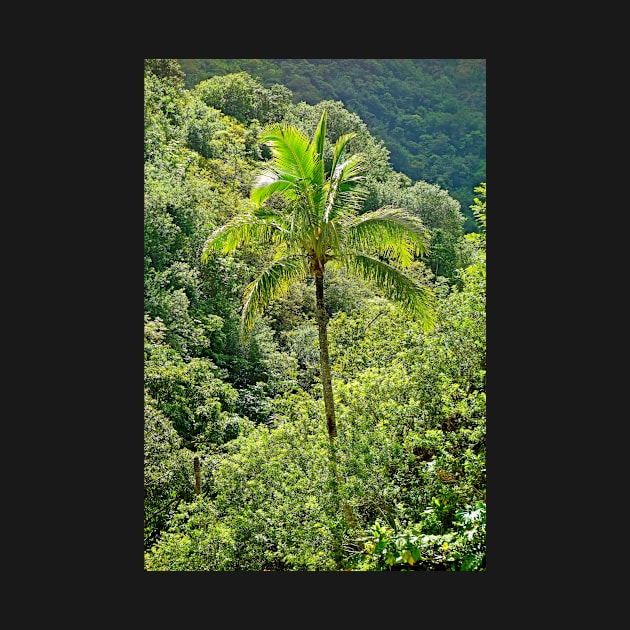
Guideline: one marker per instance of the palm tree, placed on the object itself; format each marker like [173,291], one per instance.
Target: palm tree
[321,225]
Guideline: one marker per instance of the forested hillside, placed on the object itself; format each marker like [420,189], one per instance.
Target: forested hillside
[314,341]
[429,113]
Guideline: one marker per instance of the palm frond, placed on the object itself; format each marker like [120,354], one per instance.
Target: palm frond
[320,137]
[273,282]
[261,225]
[340,145]
[392,232]
[344,191]
[298,164]
[293,156]
[416,299]
[262,192]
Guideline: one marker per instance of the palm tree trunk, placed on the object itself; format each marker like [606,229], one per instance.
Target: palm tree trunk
[324,361]
[335,480]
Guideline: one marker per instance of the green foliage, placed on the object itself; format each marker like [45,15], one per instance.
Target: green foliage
[164,106]
[192,395]
[165,69]
[270,509]
[479,210]
[207,131]
[409,548]
[198,540]
[243,97]
[302,343]
[168,471]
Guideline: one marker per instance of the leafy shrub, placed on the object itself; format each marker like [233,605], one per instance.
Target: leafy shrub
[388,549]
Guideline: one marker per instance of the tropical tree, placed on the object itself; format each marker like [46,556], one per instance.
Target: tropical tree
[318,224]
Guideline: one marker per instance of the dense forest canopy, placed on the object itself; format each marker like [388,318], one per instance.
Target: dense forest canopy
[430,113]
[249,195]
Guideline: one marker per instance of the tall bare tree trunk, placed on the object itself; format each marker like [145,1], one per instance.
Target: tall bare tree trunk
[197,475]
[324,361]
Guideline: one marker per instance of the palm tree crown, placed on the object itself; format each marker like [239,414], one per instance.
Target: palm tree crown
[322,225]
